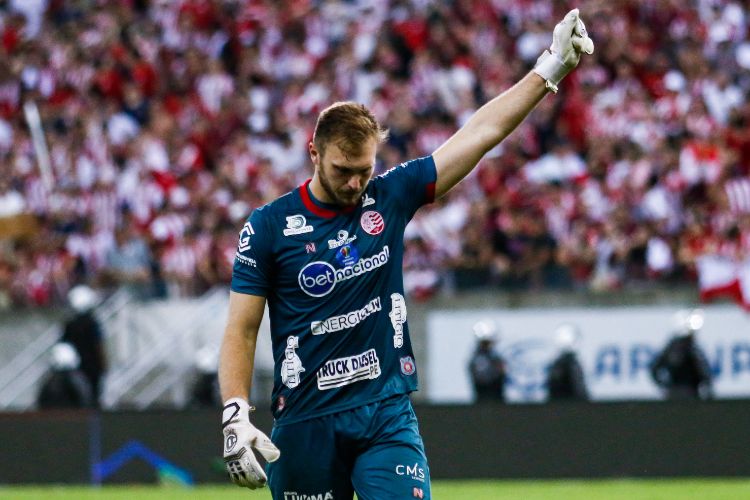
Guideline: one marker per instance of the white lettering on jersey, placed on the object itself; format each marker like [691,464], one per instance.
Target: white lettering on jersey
[414,472]
[398,318]
[342,238]
[246,260]
[344,321]
[293,495]
[296,224]
[291,367]
[344,371]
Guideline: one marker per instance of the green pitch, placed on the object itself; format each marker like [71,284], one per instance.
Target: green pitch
[667,489]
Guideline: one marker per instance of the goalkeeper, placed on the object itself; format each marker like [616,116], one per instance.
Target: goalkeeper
[327,259]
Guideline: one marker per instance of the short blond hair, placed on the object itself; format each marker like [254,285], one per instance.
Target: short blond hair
[348,125]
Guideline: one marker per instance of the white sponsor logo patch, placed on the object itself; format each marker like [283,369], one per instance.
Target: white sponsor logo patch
[367,201]
[342,238]
[398,318]
[248,261]
[344,321]
[291,367]
[296,224]
[318,278]
[293,495]
[344,371]
[247,231]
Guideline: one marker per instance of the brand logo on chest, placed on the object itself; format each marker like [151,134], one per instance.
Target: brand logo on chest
[318,278]
[342,238]
[296,224]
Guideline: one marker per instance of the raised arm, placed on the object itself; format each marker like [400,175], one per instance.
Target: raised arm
[485,129]
[499,117]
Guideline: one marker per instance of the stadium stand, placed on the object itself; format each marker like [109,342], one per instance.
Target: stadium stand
[167,122]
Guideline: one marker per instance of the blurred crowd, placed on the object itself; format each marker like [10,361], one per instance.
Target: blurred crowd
[167,122]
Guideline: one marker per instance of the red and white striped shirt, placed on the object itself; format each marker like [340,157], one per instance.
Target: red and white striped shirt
[738,195]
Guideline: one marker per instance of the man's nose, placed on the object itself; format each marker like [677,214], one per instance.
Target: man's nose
[355,183]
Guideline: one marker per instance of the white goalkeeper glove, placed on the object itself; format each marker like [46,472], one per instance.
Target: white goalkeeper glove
[569,40]
[240,437]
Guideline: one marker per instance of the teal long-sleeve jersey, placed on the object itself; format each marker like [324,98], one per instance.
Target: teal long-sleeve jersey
[333,281]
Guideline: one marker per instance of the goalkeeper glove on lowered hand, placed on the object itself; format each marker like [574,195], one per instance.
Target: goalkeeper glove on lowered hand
[240,437]
[569,41]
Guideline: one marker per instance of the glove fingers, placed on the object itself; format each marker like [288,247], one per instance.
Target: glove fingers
[240,479]
[253,471]
[586,44]
[266,448]
[580,28]
[244,469]
[571,18]
[270,453]
[583,44]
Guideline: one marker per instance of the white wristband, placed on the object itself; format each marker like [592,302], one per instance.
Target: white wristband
[234,409]
[552,69]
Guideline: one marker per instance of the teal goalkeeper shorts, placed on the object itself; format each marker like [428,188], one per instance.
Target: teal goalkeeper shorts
[374,450]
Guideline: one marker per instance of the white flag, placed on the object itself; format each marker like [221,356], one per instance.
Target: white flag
[744,283]
[718,277]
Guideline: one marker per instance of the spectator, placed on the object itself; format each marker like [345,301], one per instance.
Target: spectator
[565,379]
[656,134]
[681,369]
[11,201]
[65,385]
[128,262]
[204,392]
[83,332]
[487,367]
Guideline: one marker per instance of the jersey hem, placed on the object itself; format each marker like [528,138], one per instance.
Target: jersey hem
[381,397]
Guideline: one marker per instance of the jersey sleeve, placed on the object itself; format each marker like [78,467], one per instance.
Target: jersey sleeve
[251,273]
[412,183]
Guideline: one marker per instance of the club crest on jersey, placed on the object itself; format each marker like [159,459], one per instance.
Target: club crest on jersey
[407,365]
[296,224]
[367,201]
[342,238]
[247,231]
[372,222]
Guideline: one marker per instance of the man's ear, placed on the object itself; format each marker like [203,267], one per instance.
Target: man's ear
[314,153]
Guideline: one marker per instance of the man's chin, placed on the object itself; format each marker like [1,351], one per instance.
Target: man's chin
[350,200]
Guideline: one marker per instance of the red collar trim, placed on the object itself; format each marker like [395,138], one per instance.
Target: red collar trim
[316,209]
